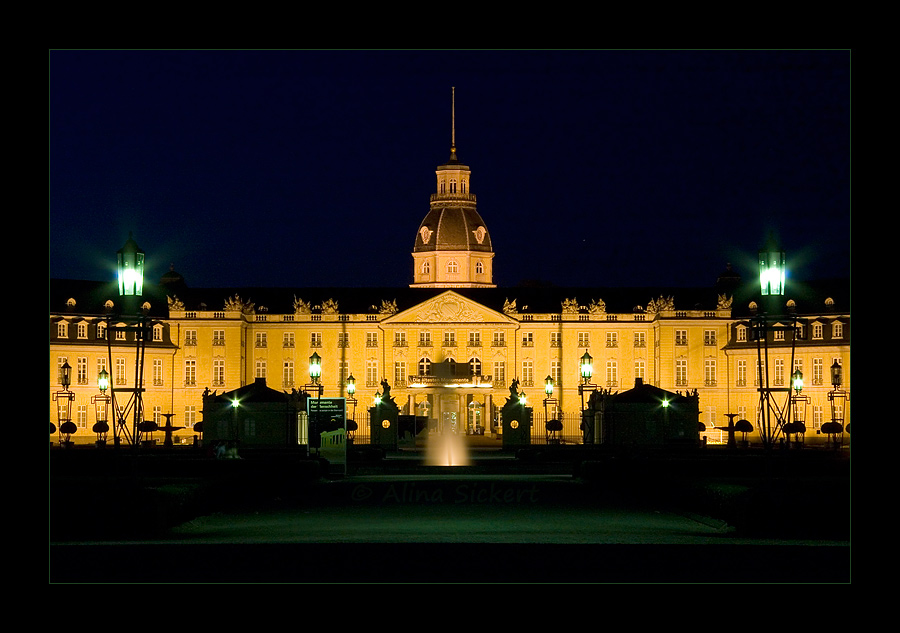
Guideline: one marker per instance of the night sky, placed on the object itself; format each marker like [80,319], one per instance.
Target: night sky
[314,168]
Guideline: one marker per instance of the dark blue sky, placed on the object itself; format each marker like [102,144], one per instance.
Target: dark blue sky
[314,168]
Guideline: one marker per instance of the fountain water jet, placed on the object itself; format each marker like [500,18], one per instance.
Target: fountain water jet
[446,449]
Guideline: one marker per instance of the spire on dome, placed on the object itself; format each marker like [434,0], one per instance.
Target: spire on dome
[453,125]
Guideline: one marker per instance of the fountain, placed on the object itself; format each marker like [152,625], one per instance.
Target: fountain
[446,449]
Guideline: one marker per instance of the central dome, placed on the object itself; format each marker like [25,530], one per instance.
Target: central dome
[452,228]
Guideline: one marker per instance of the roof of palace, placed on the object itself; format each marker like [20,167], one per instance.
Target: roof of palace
[821,297]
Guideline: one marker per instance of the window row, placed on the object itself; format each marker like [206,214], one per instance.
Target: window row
[803,332]
[82,328]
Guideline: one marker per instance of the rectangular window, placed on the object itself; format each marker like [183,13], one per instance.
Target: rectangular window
[343,372]
[500,373]
[157,372]
[680,337]
[425,338]
[742,373]
[288,339]
[709,372]
[499,339]
[527,339]
[449,338]
[527,373]
[709,337]
[287,374]
[741,335]
[81,416]
[81,373]
[399,339]
[190,372]
[260,340]
[371,373]
[343,339]
[556,373]
[190,337]
[400,375]
[639,369]
[779,371]
[584,339]
[315,339]
[681,372]
[474,339]
[190,416]
[612,374]
[219,337]
[120,371]
[82,330]
[555,339]
[219,372]
[612,339]
[818,373]
[640,339]
[260,368]
[371,339]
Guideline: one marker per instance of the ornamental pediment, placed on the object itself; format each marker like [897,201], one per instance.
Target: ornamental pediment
[449,307]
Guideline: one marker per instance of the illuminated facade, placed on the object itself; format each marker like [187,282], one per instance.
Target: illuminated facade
[678,339]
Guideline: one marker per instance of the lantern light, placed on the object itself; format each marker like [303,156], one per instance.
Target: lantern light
[797,380]
[351,385]
[65,377]
[103,380]
[587,368]
[771,269]
[836,374]
[548,386]
[315,367]
[130,268]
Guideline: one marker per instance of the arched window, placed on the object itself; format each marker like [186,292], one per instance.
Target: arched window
[426,268]
[424,367]
[479,268]
[475,366]
[452,266]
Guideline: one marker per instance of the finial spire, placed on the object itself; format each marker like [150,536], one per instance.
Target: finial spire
[453,123]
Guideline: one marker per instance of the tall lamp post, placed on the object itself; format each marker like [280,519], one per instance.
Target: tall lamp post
[101,407]
[552,426]
[63,401]
[837,397]
[772,275]
[351,398]
[315,375]
[130,274]
[586,370]
[798,402]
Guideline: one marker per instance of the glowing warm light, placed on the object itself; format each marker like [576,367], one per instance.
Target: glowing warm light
[103,380]
[665,403]
[446,449]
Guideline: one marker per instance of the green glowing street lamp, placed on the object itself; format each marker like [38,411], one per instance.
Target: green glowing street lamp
[351,385]
[587,368]
[130,269]
[103,381]
[315,367]
[771,269]
[797,381]
[548,386]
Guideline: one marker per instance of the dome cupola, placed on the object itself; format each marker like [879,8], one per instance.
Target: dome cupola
[453,246]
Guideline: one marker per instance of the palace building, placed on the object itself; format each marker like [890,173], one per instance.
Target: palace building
[450,343]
